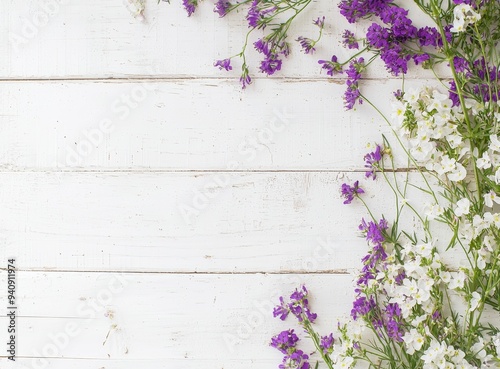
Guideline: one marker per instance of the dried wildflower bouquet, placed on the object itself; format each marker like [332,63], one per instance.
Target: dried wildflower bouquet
[412,309]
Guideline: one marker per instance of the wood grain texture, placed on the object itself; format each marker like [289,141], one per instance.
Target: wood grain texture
[183,222]
[147,320]
[189,125]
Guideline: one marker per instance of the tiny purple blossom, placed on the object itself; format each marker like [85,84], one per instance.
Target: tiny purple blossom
[222,7]
[284,341]
[190,6]
[262,46]
[331,66]
[320,22]
[362,306]
[307,45]
[349,40]
[326,344]
[270,64]
[281,310]
[371,160]
[420,58]
[223,64]
[253,15]
[245,79]
[297,360]
[349,192]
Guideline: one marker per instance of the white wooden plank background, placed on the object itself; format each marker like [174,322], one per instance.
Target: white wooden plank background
[111,125]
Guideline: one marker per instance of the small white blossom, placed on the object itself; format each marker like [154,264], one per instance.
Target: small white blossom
[463,207]
[457,280]
[474,302]
[433,211]
[413,341]
[464,15]
[484,162]
[491,197]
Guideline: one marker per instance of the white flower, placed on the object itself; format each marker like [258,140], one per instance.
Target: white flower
[413,341]
[463,207]
[491,197]
[457,280]
[481,224]
[494,143]
[484,162]
[398,112]
[497,176]
[496,341]
[464,15]
[433,211]
[424,249]
[474,302]
[345,362]
[445,276]
[458,173]
[492,219]
[454,140]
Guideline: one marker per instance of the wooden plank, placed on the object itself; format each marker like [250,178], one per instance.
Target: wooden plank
[188,222]
[101,39]
[188,125]
[106,320]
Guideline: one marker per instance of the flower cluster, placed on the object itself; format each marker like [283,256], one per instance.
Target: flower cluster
[294,358]
[430,122]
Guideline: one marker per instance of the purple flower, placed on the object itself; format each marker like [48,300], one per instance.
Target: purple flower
[190,6]
[452,94]
[400,277]
[281,310]
[362,306]
[299,305]
[320,22]
[253,15]
[420,58]
[223,64]
[349,40]
[222,7]
[245,79]
[401,26]
[297,359]
[374,231]
[256,15]
[270,64]
[350,191]
[307,44]
[285,341]
[436,315]
[372,159]
[398,94]
[395,61]
[461,65]
[378,36]
[354,10]
[262,46]
[429,36]
[393,324]
[352,94]
[326,344]
[332,67]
